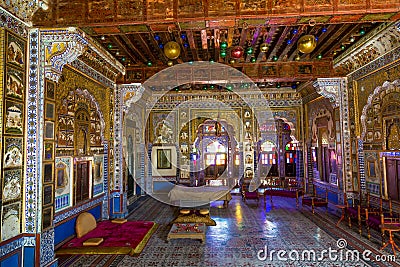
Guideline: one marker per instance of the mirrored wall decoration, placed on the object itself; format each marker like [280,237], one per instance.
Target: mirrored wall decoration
[13,118]
[49,111]
[10,221]
[13,153]
[12,185]
[48,172]
[49,130]
[47,195]
[47,217]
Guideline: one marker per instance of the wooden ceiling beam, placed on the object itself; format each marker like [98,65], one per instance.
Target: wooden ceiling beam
[115,39]
[133,47]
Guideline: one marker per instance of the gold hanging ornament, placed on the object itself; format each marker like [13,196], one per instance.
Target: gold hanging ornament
[306,44]
[172,50]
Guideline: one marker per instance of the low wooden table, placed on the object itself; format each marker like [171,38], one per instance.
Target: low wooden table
[188,230]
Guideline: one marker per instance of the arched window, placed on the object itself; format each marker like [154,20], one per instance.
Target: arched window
[290,159]
[215,159]
[268,158]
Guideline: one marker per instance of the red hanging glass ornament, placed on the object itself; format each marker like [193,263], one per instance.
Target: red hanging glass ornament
[237,52]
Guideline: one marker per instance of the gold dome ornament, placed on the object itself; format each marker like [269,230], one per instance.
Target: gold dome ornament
[172,50]
[264,47]
[306,44]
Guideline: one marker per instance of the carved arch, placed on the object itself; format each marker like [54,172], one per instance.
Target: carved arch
[378,94]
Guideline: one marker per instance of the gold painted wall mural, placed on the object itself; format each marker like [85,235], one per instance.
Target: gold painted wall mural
[12,132]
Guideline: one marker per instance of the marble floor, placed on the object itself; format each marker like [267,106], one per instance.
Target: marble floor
[251,234]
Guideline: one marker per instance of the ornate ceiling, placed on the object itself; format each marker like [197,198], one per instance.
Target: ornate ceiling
[135,32]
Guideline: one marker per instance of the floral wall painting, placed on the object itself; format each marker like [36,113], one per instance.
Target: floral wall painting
[14,118]
[10,222]
[12,185]
[13,153]
[15,51]
[14,83]
[48,151]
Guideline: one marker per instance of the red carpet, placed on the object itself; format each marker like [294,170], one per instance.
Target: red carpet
[127,238]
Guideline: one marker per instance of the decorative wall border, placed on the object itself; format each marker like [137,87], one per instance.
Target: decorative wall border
[13,23]
[76,210]
[382,62]
[389,154]
[105,211]
[26,241]
[84,68]
[377,43]
[47,247]
[361,164]
[35,102]
[74,43]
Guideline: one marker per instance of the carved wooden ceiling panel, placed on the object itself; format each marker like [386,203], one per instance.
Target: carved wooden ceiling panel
[135,32]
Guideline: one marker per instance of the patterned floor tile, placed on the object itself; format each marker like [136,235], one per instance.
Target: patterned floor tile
[243,233]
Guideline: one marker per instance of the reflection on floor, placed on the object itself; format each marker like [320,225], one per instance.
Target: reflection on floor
[242,235]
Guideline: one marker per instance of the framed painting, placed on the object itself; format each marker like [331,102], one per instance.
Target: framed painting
[15,51]
[49,114]
[49,130]
[47,217]
[98,168]
[47,194]
[48,150]
[12,184]
[48,172]
[10,221]
[164,159]
[14,118]
[62,175]
[371,168]
[50,90]
[13,153]
[14,83]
